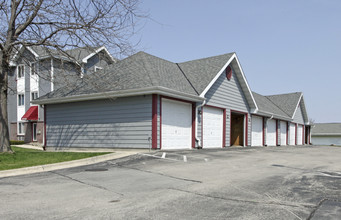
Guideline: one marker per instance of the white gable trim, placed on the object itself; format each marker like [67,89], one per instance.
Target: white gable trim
[85,60]
[298,104]
[233,57]
[303,109]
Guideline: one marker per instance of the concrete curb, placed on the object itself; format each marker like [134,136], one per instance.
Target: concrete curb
[67,164]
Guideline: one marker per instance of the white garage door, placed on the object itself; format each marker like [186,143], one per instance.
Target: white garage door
[299,134]
[176,126]
[283,133]
[257,131]
[212,127]
[292,133]
[271,133]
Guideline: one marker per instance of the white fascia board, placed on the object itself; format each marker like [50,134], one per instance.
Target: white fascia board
[298,104]
[33,52]
[246,83]
[234,56]
[124,93]
[217,76]
[85,60]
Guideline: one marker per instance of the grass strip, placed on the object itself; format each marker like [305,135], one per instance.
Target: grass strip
[23,157]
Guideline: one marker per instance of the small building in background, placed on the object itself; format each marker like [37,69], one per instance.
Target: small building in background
[326,134]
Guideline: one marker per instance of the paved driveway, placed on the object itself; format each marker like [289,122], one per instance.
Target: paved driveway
[240,183]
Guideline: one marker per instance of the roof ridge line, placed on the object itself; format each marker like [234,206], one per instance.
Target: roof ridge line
[277,106]
[187,78]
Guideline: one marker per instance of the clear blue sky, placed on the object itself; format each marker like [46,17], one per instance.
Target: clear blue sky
[283,45]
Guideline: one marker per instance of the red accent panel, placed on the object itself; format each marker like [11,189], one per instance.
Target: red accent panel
[228,72]
[287,133]
[246,143]
[263,131]
[193,125]
[154,121]
[31,114]
[45,138]
[276,132]
[160,121]
[224,128]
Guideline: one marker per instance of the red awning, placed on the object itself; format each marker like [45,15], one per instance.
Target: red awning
[31,114]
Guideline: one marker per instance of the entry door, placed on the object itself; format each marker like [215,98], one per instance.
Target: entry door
[176,126]
[212,127]
[237,129]
[34,131]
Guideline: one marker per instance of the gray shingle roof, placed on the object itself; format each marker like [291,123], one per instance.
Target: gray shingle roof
[265,105]
[76,54]
[140,70]
[326,129]
[286,102]
[202,71]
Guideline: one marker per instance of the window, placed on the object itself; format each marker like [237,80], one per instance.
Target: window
[98,68]
[34,95]
[21,128]
[21,71]
[33,69]
[21,99]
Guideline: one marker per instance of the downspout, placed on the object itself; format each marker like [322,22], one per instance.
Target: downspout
[196,123]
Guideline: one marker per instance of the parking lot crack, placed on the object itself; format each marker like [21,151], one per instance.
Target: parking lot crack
[161,174]
[316,208]
[84,183]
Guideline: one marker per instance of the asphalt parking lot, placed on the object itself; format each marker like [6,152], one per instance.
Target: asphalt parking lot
[237,183]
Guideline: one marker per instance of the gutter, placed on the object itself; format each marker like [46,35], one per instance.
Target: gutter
[123,93]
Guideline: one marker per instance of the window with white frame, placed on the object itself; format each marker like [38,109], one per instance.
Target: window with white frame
[34,95]
[21,71]
[34,68]
[98,68]
[21,99]
[21,128]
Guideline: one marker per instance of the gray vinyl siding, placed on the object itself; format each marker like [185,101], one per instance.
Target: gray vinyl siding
[65,74]
[120,123]
[229,95]
[199,126]
[12,97]
[298,117]
[44,82]
[99,60]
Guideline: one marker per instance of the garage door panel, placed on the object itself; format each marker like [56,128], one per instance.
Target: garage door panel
[283,127]
[292,134]
[271,133]
[176,124]
[257,131]
[212,127]
[299,134]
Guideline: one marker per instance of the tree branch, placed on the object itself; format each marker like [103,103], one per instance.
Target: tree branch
[29,20]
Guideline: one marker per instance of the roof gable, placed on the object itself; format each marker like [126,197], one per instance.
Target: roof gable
[203,73]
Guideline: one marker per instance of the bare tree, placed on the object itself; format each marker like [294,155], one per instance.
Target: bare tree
[60,24]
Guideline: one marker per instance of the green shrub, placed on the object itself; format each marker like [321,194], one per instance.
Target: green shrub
[17,142]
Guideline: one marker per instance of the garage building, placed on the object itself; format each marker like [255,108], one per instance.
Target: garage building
[144,101]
